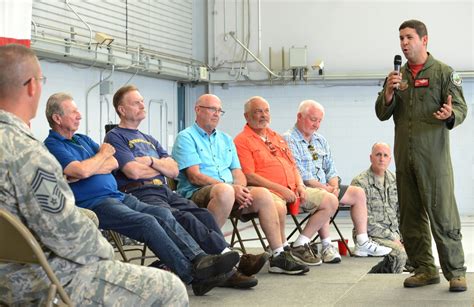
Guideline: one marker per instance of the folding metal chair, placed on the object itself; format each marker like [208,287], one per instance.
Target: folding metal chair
[299,226]
[20,246]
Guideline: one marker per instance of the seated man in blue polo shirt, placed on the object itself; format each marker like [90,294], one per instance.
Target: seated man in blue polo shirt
[88,167]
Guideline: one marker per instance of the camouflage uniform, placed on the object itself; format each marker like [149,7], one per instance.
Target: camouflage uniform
[383,214]
[90,214]
[424,171]
[33,189]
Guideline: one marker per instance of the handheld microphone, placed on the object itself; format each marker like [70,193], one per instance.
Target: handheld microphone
[397,63]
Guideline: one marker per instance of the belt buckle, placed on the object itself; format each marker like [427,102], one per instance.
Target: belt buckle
[157,182]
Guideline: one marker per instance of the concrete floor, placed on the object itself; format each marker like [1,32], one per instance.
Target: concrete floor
[344,284]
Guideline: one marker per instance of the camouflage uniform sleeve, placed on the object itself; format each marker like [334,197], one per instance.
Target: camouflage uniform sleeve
[46,205]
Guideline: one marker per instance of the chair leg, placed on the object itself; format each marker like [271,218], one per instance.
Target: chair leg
[142,261]
[118,243]
[259,234]
[235,222]
[298,226]
[342,239]
[51,296]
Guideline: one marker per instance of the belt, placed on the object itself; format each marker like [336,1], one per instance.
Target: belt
[137,184]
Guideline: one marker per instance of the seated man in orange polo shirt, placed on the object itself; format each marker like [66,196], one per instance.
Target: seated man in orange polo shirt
[266,161]
[211,176]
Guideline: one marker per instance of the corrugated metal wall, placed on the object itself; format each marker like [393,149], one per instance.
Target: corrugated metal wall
[154,29]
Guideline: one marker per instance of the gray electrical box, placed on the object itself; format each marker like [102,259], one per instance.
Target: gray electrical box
[298,57]
[107,87]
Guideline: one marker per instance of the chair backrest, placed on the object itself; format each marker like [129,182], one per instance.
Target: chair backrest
[172,183]
[109,127]
[20,246]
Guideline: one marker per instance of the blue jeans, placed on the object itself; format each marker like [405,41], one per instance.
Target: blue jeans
[154,226]
[198,222]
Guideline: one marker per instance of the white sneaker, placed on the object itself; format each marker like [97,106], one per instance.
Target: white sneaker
[371,248]
[330,254]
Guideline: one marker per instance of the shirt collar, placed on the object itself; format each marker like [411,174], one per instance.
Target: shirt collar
[299,135]
[248,130]
[12,119]
[58,136]
[202,132]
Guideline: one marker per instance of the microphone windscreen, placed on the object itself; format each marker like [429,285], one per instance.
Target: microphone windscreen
[397,60]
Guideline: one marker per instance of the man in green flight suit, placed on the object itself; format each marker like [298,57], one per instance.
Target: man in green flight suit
[426,101]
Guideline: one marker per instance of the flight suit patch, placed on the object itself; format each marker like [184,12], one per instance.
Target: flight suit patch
[425,82]
[456,79]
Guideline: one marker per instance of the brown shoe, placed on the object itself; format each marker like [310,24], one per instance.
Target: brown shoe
[421,279]
[252,264]
[458,284]
[239,280]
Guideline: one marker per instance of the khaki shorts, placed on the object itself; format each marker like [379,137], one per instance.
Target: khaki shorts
[202,196]
[314,197]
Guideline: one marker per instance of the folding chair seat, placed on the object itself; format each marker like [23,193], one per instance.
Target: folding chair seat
[299,226]
[18,245]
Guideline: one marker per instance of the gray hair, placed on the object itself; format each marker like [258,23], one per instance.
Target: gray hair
[306,104]
[17,63]
[53,106]
[249,101]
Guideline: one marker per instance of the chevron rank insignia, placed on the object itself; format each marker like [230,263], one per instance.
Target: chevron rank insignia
[47,192]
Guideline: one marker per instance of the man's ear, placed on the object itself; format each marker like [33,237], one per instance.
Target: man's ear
[31,87]
[56,119]
[424,39]
[121,111]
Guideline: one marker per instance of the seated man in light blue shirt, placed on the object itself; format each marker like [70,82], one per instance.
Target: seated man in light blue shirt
[211,176]
[316,166]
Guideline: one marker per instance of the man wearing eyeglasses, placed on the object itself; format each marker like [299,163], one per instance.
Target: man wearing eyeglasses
[316,165]
[33,190]
[267,162]
[211,176]
[88,168]
[143,165]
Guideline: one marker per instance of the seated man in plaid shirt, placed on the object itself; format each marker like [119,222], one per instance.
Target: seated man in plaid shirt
[314,160]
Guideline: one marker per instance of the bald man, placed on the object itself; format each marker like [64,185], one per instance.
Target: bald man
[380,187]
[211,176]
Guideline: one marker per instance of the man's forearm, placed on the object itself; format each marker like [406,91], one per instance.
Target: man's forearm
[201,180]
[165,166]
[108,166]
[86,168]
[313,183]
